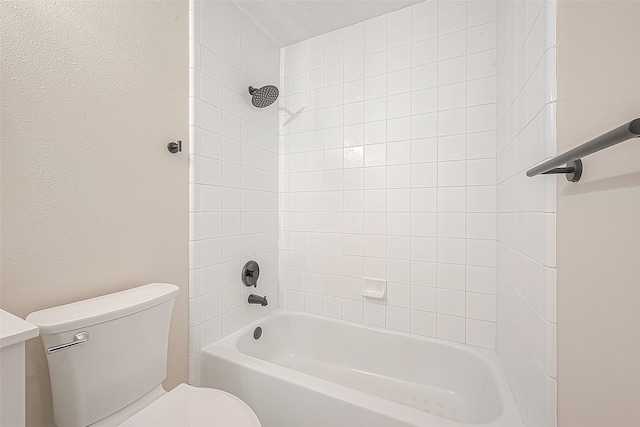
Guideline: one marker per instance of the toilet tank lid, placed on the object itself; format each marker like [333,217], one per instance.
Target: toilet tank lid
[101,309]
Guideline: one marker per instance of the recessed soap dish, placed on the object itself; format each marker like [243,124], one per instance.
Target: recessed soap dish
[374,288]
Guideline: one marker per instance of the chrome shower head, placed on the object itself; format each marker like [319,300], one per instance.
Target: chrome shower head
[264,96]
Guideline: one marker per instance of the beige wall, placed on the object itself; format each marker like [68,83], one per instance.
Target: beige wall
[598,306]
[92,201]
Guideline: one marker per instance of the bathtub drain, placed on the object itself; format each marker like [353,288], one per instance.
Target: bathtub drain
[257,332]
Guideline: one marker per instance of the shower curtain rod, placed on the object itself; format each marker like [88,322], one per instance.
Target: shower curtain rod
[571,158]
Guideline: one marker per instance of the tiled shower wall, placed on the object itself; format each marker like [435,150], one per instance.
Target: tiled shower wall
[387,171]
[233,173]
[526,94]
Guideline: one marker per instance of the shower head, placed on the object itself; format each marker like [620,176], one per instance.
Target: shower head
[264,96]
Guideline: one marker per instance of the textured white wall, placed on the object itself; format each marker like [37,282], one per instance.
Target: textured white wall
[234,173]
[387,161]
[92,201]
[598,217]
[526,259]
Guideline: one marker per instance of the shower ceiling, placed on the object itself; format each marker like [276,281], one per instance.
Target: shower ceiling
[291,21]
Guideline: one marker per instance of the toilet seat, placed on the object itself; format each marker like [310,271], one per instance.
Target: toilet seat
[195,406]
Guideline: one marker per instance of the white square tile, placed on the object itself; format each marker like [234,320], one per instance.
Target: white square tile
[374,314]
[423,249]
[333,74]
[453,19]
[452,96]
[424,101]
[375,132]
[481,306]
[425,199]
[399,200]
[481,118]
[399,176]
[399,58]
[398,294]
[398,153]
[375,109]
[333,53]
[375,64]
[424,126]
[424,27]
[374,223]
[353,69]
[398,35]
[481,333]
[481,64]
[480,13]
[451,251]
[481,252]
[375,200]
[451,45]
[353,30]
[481,38]
[398,106]
[481,172]
[451,276]
[398,247]
[481,279]
[374,24]
[398,224]
[313,303]
[375,87]
[354,91]
[375,41]
[353,48]
[424,77]
[451,302]
[424,150]
[423,298]
[424,52]
[451,328]
[375,155]
[481,225]
[423,323]
[375,177]
[424,175]
[352,310]
[354,114]
[397,318]
[452,122]
[398,82]
[451,225]
[423,224]
[423,274]
[398,129]
[332,307]
[452,174]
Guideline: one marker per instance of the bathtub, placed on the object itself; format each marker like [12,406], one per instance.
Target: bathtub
[312,371]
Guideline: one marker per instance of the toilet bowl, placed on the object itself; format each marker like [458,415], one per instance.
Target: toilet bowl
[195,406]
[107,359]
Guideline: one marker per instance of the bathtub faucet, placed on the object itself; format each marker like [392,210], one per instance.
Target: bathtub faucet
[256,299]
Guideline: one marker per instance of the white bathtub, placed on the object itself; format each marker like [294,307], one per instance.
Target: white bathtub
[310,370]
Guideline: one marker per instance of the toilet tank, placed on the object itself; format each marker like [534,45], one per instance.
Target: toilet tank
[123,358]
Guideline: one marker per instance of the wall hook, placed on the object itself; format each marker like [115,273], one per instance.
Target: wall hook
[174,147]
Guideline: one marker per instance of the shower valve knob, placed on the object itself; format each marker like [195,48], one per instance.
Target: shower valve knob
[250,274]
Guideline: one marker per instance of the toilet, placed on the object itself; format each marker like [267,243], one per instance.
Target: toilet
[107,359]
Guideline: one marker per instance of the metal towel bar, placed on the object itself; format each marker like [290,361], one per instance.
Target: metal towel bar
[571,158]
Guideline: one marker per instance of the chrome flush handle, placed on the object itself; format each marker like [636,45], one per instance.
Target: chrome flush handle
[79,338]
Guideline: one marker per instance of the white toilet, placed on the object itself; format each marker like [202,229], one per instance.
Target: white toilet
[108,357]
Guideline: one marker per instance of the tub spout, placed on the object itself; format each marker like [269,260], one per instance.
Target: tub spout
[256,299]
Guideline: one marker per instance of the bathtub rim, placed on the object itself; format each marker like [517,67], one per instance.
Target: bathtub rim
[227,348]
